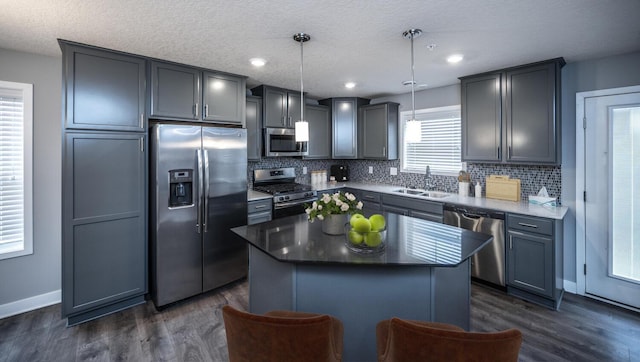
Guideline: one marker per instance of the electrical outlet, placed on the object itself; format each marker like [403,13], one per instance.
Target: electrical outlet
[370,169]
[393,171]
[304,170]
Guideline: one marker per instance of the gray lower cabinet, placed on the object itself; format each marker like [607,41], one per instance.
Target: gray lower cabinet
[259,211]
[344,126]
[513,115]
[180,92]
[370,200]
[378,131]
[319,145]
[534,259]
[104,223]
[423,209]
[103,90]
[254,128]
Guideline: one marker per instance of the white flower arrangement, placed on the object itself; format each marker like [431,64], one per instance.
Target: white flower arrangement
[336,204]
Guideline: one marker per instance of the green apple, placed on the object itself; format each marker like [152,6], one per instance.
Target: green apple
[373,239]
[377,222]
[354,218]
[355,237]
[361,225]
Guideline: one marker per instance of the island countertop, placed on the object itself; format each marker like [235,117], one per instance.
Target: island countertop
[410,241]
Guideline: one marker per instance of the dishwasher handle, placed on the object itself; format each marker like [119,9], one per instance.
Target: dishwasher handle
[473,213]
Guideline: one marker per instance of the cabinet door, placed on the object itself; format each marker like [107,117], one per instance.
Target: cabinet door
[481,118]
[344,128]
[175,91]
[372,128]
[104,241]
[275,107]
[224,98]
[293,109]
[254,128]
[530,262]
[530,114]
[103,90]
[319,145]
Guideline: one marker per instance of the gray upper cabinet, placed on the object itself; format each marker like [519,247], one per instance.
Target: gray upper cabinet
[175,91]
[103,90]
[532,115]
[344,125]
[186,93]
[481,118]
[319,145]
[512,115]
[281,107]
[104,244]
[254,128]
[223,97]
[378,131]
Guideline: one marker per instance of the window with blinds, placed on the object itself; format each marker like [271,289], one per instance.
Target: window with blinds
[439,147]
[16,121]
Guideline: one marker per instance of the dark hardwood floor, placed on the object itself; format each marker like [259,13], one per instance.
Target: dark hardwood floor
[193,330]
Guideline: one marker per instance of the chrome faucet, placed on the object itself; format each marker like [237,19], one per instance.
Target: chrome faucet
[428,179]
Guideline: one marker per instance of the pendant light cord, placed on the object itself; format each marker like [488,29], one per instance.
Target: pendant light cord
[413,84]
[302,81]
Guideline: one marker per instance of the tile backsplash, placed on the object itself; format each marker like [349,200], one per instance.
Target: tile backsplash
[532,178]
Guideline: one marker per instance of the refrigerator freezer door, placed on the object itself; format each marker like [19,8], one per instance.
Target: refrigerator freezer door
[225,255]
[176,244]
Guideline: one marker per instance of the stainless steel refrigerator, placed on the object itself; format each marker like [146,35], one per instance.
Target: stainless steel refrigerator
[199,191]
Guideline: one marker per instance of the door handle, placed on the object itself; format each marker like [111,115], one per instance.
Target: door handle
[206,110]
[200,191]
[528,225]
[205,221]
[196,107]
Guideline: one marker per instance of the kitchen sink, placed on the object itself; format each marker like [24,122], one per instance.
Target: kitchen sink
[410,191]
[424,193]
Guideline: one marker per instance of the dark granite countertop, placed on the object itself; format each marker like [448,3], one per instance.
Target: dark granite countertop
[410,241]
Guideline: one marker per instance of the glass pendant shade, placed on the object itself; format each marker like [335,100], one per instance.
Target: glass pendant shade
[413,131]
[302,131]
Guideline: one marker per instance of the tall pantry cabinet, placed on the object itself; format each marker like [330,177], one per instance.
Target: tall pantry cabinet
[104,178]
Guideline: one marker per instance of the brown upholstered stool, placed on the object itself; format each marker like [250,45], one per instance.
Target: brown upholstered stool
[282,336]
[405,340]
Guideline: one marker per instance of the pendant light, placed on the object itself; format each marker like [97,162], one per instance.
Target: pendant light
[301,126]
[413,127]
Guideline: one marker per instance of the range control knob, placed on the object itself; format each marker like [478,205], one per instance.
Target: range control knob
[286,197]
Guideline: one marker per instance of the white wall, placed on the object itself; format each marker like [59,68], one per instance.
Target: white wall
[38,274]
[610,72]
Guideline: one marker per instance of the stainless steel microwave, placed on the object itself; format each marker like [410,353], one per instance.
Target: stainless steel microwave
[282,142]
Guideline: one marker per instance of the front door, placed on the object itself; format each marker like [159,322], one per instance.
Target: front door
[612,203]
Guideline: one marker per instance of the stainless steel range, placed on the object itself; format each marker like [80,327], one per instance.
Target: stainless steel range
[289,197]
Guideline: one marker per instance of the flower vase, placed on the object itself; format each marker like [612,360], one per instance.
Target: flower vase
[333,224]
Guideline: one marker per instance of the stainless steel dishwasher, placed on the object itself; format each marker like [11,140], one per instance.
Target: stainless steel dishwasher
[488,264]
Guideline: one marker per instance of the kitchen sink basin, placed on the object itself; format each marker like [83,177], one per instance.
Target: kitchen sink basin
[410,191]
[424,193]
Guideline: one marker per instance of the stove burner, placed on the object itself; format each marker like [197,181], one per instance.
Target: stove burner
[281,189]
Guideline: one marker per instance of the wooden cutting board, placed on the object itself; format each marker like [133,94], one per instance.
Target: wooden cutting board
[502,187]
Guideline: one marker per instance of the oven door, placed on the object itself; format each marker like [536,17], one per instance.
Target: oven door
[284,209]
[282,142]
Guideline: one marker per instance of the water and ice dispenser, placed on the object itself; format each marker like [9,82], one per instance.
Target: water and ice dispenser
[180,187]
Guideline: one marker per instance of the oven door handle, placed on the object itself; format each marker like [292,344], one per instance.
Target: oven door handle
[283,205]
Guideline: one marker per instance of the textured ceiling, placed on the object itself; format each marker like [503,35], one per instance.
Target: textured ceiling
[357,40]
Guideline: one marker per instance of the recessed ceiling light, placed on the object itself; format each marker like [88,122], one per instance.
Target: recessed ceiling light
[349,85]
[258,62]
[455,58]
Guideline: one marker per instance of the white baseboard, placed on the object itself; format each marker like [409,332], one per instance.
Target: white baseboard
[31,303]
[570,287]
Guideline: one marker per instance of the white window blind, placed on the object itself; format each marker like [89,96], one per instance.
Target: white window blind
[439,147]
[15,169]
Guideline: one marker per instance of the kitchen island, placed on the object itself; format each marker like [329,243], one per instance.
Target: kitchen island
[423,273]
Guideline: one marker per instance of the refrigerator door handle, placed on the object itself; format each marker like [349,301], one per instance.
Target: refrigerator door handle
[206,190]
[200,190]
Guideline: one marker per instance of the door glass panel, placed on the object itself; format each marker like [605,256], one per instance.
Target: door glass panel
[624,233]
